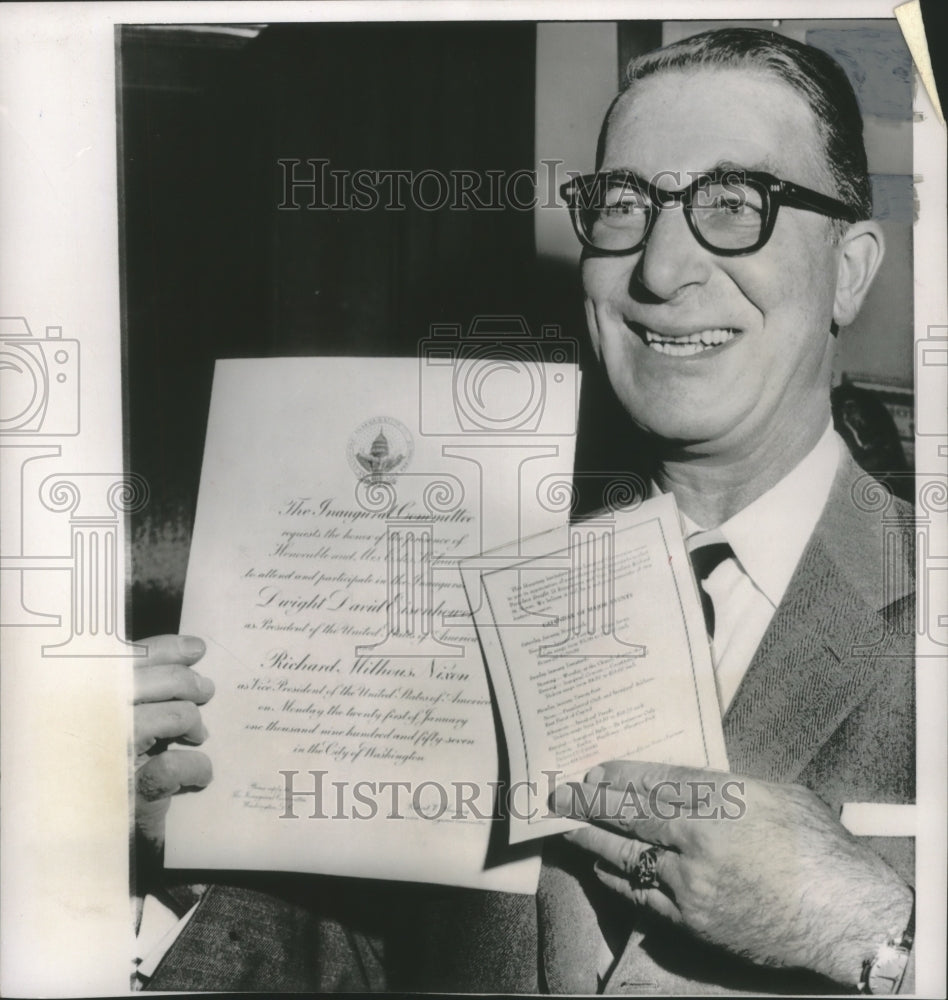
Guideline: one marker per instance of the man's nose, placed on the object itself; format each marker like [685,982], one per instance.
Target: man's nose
[672,258]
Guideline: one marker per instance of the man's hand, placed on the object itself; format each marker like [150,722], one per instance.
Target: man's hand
[764,871]
[167,695]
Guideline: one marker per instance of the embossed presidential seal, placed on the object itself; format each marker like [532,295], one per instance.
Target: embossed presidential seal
[380,448]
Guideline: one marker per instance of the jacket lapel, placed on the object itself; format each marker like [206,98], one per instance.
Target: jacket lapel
[804,679]
[824,649]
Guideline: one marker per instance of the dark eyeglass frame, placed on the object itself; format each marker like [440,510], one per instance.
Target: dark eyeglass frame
[773,191]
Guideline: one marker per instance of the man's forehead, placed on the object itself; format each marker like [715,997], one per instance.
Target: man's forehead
[701,119]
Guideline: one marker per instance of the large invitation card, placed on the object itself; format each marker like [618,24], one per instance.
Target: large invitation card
[352,730]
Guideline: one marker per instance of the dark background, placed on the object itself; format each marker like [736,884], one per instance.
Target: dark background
[214,269]
[935,17]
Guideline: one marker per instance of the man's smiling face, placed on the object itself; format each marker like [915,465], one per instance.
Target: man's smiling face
[720,353]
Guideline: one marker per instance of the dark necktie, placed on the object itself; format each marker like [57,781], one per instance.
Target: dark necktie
[705,559]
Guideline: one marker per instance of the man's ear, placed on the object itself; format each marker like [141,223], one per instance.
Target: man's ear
[861,249]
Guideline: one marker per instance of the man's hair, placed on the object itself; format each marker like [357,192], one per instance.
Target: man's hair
[813,74]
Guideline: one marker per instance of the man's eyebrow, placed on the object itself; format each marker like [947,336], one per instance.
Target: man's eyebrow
[724,166]
[731,166]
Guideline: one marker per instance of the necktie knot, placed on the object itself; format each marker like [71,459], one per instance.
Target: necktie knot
[704,560]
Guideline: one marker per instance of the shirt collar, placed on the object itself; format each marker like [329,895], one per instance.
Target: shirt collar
[769,535]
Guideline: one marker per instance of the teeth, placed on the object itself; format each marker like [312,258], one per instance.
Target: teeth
[692,343]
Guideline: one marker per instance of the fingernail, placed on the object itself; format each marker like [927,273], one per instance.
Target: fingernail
[596,775]
[206,686]
[191,645]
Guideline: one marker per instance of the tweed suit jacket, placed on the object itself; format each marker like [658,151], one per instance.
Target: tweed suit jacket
[827,702]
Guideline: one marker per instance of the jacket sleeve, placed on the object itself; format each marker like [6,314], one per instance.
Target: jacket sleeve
[285,934]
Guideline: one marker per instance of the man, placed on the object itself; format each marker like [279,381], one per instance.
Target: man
[726,239]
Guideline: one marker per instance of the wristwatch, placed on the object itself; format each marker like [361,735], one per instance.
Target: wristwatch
[882,974]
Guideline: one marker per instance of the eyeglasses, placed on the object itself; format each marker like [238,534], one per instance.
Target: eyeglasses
[730,212]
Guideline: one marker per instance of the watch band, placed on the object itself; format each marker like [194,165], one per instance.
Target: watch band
[882,974]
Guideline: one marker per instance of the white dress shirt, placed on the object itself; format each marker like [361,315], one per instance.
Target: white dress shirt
[767,538]
[158,930]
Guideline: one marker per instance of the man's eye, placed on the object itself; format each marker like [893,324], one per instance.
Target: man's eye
[623,205]
[732,206]
[622,209]
[737,204]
